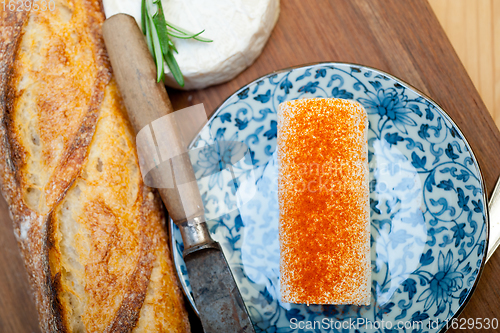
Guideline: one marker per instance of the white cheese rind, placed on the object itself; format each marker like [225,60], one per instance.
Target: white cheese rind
[239,30]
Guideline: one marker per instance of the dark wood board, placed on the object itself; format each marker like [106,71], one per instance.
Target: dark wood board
[401,37]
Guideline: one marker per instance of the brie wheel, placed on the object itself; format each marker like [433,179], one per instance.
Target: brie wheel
[239,30]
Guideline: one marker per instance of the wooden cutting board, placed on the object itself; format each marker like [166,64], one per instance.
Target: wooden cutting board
[401,37]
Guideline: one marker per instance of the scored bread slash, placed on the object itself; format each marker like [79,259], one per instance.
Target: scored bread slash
[324,202]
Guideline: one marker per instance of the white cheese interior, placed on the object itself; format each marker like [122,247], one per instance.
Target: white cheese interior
[239,30]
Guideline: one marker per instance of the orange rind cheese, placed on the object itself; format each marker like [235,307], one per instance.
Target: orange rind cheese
[324,202]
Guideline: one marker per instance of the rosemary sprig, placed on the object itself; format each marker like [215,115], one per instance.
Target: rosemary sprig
[157,32]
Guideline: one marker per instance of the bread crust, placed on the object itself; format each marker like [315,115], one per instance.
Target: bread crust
[69,172]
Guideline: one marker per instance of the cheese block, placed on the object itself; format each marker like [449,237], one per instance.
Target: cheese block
[239,30]
[323,201]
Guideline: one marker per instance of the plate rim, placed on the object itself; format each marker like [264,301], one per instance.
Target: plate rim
[409,86]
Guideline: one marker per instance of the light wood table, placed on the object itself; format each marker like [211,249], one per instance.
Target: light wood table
[473,27]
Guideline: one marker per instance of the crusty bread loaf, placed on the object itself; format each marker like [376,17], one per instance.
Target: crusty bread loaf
[91,233]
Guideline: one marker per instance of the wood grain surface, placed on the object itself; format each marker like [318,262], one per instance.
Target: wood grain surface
[473,27]
[402,37]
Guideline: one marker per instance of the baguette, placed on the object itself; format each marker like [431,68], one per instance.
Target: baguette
[91,233]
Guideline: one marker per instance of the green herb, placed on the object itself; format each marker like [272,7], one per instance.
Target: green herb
[157,31]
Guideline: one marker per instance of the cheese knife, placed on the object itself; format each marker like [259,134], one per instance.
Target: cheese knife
[494,211]
[216,295]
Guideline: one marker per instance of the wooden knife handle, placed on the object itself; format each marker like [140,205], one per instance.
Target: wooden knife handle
[146,101]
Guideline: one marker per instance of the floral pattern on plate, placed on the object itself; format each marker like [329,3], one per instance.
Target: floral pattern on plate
[428,207]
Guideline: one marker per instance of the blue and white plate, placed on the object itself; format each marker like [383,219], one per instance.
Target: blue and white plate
[429,220]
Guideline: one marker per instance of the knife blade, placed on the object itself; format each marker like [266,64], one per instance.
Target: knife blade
[494,212]
[216,294]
